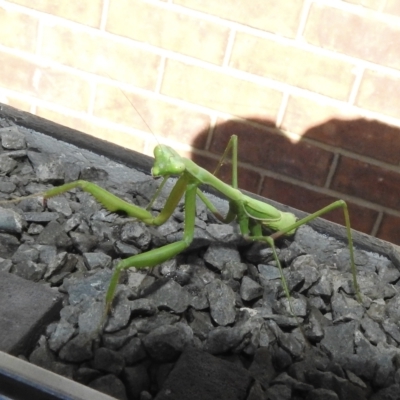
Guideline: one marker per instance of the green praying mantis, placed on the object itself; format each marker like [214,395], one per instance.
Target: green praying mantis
[252,216]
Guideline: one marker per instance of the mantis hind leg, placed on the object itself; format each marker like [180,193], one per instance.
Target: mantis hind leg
[271,242]
[337,204]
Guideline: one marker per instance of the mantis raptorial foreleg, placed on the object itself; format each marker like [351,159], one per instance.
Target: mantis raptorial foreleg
[114,203]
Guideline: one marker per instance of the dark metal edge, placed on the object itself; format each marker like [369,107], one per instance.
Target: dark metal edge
[21,380]
[128,157]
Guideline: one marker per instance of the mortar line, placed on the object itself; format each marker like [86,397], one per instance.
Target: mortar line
[104,15]
[37,71]
[282,109]
[33,108]
[356,84]
[355,156]
[361,11]
[213,124]
[260,184]
[377,224]
[160,76]
[303,20]
[382,6]
[92,97]
[229,48]
[39,38]
[332,170]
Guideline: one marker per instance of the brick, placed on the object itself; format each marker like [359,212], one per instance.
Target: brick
[23,105]
[247,179]
[366,137]
[167,29]
[280,17]
[220,92]
[368,182]
[362,36]
[18,31]
[361,218]
[17,74]
[86,13]
[386,6]
[26,308]
[392,7]
[302,113]
[93,53]
[116,136]
[374,4]
[389,229]
[49,84]
[291,65]
[338,128]
[270,151]
[139,112]
[199,140]
[60,87]
[379,92]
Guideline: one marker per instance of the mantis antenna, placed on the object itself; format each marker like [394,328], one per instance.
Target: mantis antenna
[137,111]
[164,181]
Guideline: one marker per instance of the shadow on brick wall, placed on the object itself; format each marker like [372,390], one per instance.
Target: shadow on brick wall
[308,174]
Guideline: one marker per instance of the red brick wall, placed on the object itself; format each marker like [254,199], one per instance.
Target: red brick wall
[310,87]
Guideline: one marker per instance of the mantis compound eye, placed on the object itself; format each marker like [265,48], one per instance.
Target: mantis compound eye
[174,167]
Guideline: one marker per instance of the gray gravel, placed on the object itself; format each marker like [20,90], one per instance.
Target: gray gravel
[212,323]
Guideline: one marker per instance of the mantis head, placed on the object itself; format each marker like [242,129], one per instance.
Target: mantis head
[167,161]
